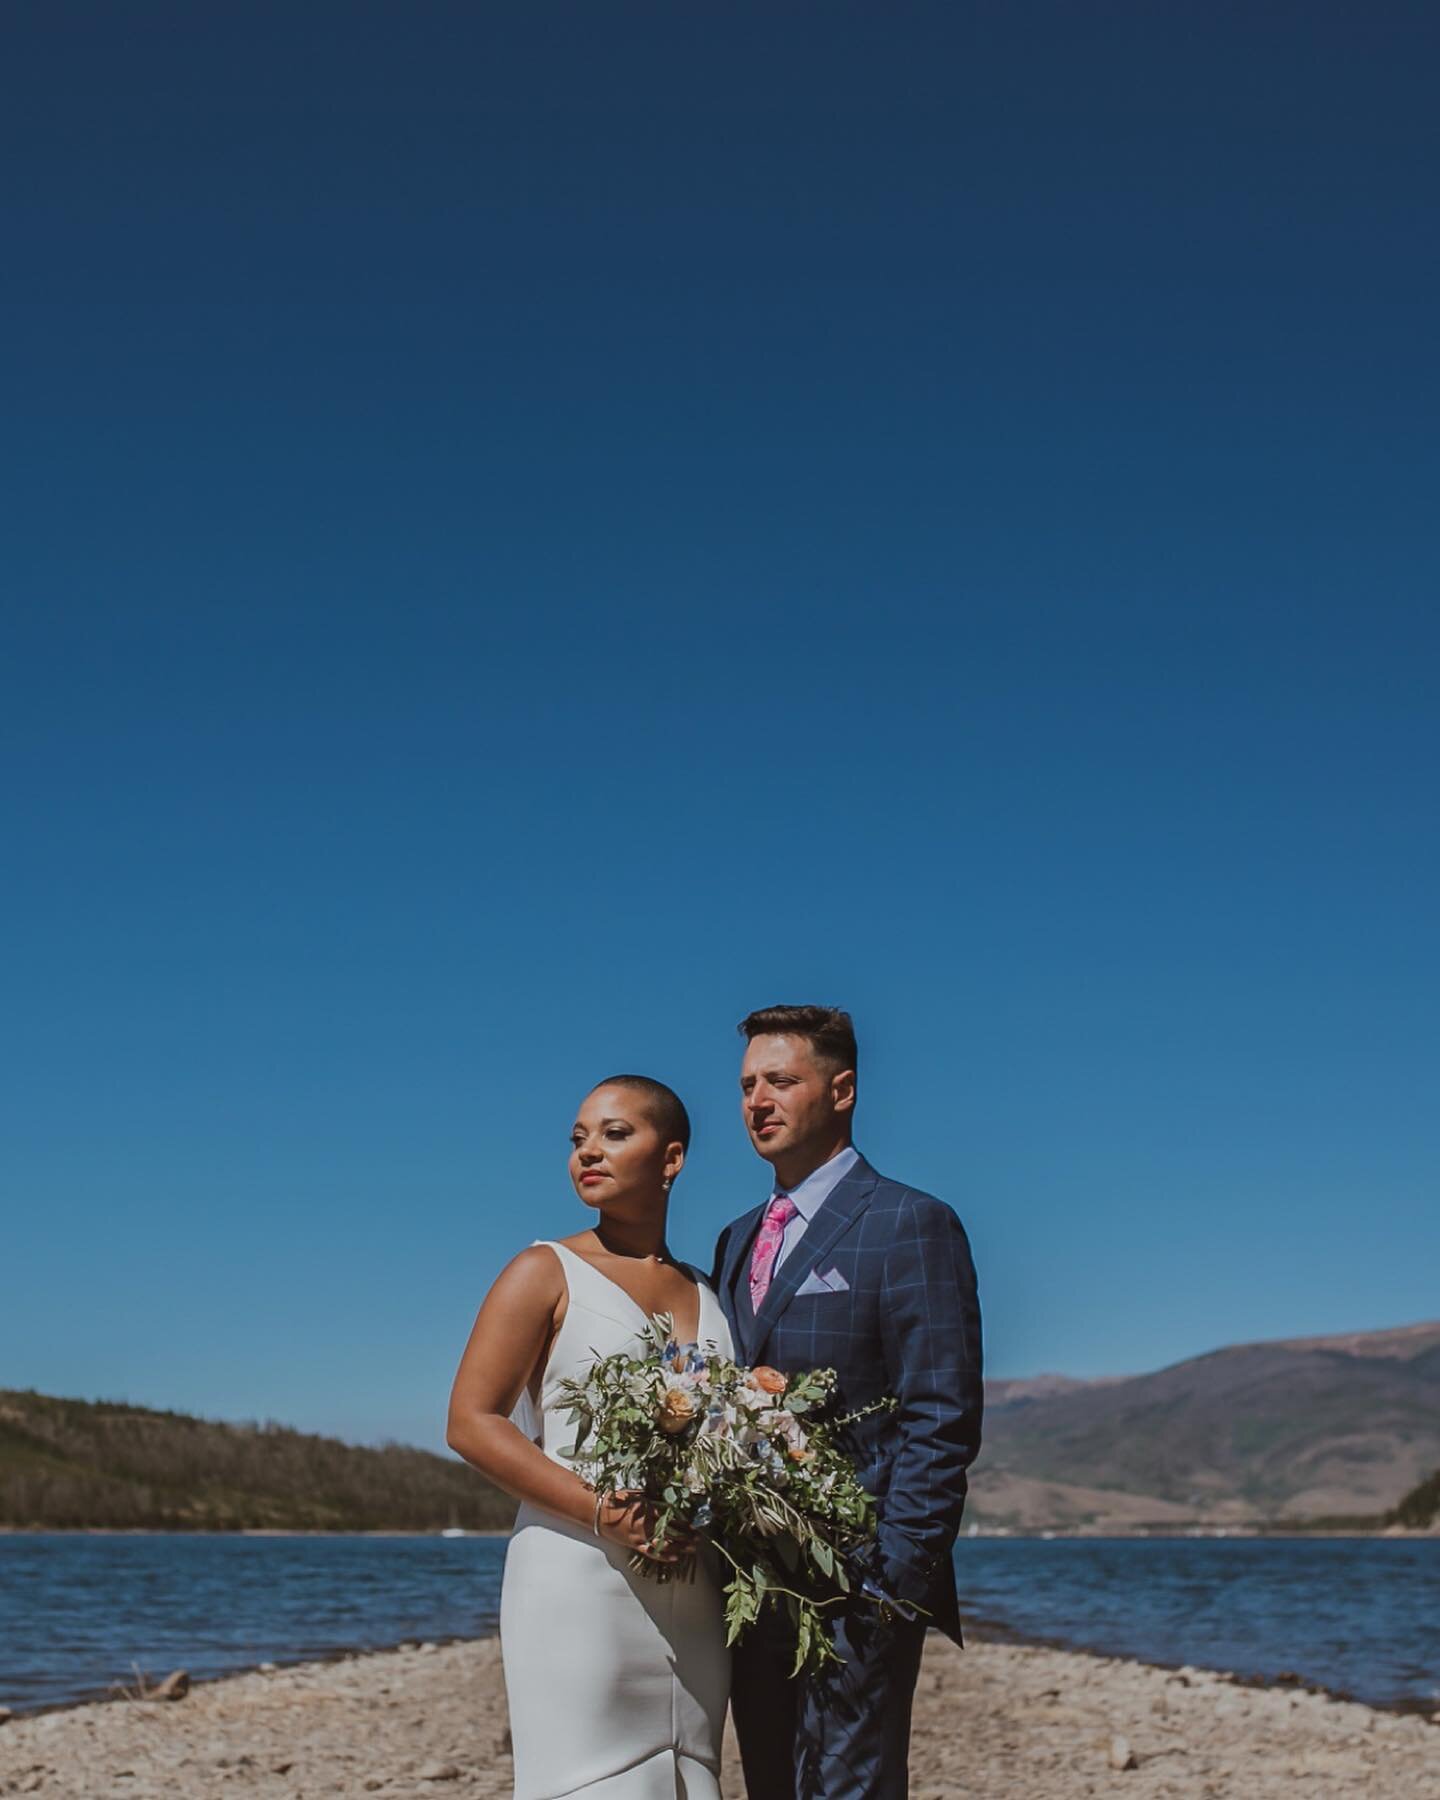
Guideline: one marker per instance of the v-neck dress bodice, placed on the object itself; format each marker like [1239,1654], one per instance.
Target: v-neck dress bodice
[617,1682]
[602,1319]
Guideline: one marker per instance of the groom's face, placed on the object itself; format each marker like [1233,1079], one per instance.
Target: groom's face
[786,1097]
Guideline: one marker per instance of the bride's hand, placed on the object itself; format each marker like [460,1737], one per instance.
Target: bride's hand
[629,1520]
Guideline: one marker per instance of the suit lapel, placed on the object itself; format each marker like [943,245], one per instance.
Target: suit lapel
[737,1260]
[837,1213]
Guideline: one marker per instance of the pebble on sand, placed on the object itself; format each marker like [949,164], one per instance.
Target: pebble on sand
[1121,1755]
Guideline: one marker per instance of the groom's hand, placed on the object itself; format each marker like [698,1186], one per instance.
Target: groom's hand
[629,1520]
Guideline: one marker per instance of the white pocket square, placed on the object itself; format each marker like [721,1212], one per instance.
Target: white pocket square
[831,1282]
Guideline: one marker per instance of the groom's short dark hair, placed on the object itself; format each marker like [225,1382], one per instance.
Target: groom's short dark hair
[829,1032]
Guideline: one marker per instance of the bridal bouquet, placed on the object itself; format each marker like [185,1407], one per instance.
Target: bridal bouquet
[746,1455]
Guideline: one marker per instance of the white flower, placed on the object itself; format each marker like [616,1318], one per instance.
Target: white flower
[785,1425]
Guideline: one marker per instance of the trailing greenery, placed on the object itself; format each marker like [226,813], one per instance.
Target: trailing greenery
[70,1464]
[750,1456]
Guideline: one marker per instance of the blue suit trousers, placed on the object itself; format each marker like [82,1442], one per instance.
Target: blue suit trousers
[840,1735]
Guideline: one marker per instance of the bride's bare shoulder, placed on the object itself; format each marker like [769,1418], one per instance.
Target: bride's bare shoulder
[534,1276]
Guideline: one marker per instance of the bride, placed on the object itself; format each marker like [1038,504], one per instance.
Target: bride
[617,1682]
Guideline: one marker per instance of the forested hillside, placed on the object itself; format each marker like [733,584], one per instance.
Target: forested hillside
[1420,1509]
[1320,1429]
[70,1463]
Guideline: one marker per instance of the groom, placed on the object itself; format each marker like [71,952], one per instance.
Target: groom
[843,1268]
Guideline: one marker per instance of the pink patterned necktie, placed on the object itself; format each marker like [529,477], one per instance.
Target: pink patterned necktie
[778,1214]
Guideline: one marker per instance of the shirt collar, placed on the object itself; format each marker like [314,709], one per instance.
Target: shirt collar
[812,1193]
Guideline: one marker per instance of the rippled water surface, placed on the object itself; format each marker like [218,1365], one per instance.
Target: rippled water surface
[1360,1616]
[77,1612]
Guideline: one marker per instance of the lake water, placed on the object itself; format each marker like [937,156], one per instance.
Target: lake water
[1359,1616]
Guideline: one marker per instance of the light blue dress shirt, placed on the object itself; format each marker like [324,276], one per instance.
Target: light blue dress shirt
[812,1194]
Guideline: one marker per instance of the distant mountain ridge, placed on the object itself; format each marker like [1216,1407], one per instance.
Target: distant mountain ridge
[76,1463]
[1400,1341]
[1296,1428]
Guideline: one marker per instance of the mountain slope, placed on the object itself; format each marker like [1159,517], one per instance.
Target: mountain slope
[1300,1428]
[67,1463]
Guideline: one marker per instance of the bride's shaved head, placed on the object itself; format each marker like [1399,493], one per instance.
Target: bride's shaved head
[665,1107]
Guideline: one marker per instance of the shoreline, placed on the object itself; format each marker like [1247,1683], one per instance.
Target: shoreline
[978,1631]
[991,1721]
[996,1631]
[1090,1640]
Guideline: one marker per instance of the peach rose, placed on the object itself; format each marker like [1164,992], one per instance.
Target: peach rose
[677,1409]
[769,1381]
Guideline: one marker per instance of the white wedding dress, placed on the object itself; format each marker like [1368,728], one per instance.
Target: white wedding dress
[617,1682]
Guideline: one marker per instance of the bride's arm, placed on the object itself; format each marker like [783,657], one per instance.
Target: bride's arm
[512,1332]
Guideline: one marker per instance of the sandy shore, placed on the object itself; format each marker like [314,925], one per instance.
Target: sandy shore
[996,1722]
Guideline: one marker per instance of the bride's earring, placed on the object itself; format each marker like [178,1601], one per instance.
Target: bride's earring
[666,1183]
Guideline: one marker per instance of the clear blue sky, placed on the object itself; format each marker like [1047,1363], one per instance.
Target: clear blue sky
[533,530]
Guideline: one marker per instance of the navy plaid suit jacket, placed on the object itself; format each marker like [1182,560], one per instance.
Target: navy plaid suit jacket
[907,1325]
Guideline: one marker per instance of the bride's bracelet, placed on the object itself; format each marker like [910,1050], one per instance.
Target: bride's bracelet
[600,1499]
